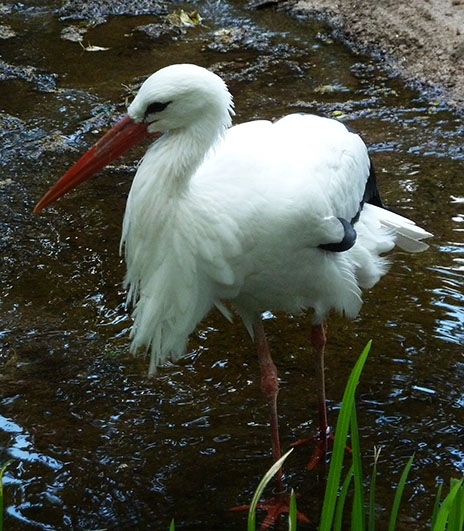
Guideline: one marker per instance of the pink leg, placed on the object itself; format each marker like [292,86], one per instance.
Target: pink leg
[280,502]
[270,388]
[324,436]
[318,341]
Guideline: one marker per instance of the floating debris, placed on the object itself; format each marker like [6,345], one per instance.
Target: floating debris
[331,88]
[182,18]
[339,115]
[91,48]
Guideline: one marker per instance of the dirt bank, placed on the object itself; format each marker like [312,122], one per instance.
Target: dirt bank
[423,41]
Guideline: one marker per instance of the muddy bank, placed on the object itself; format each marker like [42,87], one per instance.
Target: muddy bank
[422,41]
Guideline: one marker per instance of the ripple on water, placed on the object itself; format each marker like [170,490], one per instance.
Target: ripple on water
[97,444]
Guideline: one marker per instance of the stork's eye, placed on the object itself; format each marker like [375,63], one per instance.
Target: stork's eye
[155,107]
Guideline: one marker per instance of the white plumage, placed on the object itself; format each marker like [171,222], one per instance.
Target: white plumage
[237,214]
[269,216]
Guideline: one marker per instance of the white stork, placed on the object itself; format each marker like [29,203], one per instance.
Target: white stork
[268,216]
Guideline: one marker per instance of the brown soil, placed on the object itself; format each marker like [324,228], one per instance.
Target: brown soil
[422,40]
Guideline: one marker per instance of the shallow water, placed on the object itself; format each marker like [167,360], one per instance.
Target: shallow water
[96,443]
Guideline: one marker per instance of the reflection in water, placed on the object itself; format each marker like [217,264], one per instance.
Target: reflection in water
[97,444]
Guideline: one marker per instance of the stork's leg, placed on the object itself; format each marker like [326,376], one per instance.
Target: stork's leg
[280,502]
[270,388]
[324,435]
[318,342]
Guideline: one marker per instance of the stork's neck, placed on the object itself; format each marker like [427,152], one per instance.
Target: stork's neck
[172,160]
[160,185]
[163,179]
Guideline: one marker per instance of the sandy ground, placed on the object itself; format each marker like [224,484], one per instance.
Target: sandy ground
[422,40]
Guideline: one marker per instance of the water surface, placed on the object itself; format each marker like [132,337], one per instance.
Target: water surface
[99,445]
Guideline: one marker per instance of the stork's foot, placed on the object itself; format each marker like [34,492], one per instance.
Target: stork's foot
[322,441]
[275,506]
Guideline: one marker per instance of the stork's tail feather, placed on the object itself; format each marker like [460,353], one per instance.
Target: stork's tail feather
[408,235]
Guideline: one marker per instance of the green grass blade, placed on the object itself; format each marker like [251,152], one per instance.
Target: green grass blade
[341,433]
[358,516]
[399,494]
[172,527]
[371,523]
[292,512]
[337,524]
[459,504]
[453,517]
[446,506]
[436,505]
[262,485]
[2,469]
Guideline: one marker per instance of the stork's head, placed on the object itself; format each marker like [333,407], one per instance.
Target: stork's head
[179,96]
[175,98]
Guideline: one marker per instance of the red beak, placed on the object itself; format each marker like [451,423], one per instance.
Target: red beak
[124,135]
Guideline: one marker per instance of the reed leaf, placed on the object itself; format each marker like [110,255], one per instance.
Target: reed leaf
[358,516]
[2,469]
[399,494]
[459,507]
[338,519]
[341,434]
[262,485]
[292,512]
[371,523]
[459,504]
[446,506]
[436,505]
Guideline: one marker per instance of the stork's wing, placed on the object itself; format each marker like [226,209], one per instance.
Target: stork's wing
[302,173]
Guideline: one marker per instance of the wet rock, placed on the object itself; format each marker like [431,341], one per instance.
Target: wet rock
[245,71]
[57,142]
[173,25]
[14,138]
[103,116]
[98,11]
[43,82]
[5,182]
[155,31]
[6,32]
[235,38]
[54,143]
[73,33]
[364,70]
[9,123]
[263,4]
